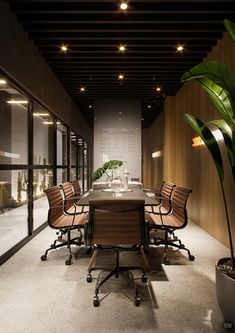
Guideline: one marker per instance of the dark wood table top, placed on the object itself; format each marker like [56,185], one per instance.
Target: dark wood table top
[109,195]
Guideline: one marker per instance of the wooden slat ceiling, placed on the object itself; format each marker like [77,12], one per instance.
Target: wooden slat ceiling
[150,30]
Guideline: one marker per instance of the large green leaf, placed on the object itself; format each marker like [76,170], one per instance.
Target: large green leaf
[97,174]
[218,73]
[227,135]
[112,164]
[230,28]
[203,131]
[220,99]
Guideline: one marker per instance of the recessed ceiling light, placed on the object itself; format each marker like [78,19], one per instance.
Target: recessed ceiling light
[123,5]
[17,102]
[64,48]
[82,89]
[122,48]
[158,89]
[90,106]
[3,81]
[51,122]
[149,106]
[180,48]
[120,76]
[38,114]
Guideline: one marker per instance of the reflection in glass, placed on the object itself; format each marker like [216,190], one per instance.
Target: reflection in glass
[13,207]
[85,180]
[85,154]
[42,179]
[73,149]
[80,177]
[80,152]
[73,174]
[61,175]
[61,133]
[13,126]
[43,136]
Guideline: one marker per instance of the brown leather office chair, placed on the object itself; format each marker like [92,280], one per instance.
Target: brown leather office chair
[119,225]
[76,188]
[163,193]
[170,218]
[71,198]
[63,220]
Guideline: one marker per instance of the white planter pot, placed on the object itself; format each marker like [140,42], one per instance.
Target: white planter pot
[225,290]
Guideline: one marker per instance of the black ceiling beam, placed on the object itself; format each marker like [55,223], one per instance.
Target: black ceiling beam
[87,18]
[113,7]
[151,29]
[132,43]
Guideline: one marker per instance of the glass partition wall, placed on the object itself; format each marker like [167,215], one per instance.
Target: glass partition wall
[79,152]
[35,153]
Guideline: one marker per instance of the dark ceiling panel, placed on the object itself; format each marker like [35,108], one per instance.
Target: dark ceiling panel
[92,30]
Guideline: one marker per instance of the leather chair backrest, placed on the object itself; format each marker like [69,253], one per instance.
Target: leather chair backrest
[113,222]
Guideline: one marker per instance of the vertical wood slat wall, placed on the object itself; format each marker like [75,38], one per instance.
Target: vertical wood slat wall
[193,167]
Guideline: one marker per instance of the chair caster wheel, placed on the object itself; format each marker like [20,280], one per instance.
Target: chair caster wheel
[89,278]
[144,278]
[68,262]
[89,250]
[44,257]
[228,324]
[96,301]
[191,258]
[137,301]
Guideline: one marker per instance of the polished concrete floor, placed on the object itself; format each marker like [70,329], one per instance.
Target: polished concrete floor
[37,297]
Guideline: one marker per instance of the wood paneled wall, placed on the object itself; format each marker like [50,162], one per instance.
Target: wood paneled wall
[193,167]
[153,140]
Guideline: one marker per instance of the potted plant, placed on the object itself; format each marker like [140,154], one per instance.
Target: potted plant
[219,83]
[110,165]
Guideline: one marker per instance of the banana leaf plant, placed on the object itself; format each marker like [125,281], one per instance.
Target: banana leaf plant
[110,165]
[219,82]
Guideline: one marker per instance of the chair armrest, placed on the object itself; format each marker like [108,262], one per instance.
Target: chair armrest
[75,210]
[147,190]
[159,207]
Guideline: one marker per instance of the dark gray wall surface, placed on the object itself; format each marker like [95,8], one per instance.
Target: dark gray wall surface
[20,59]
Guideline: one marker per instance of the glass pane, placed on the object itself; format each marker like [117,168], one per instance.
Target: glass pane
[85,180]
[73,149]
[13,208]
[61,175]
[73,174]
[13,126]
[80,177]
[61,144]
[42,179]
[85,154]
[80,152]
[43,136]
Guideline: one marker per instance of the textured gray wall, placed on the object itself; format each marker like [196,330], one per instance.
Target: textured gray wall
[117,134]
[21,60]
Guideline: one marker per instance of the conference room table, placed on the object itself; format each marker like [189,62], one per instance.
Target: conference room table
[108,194]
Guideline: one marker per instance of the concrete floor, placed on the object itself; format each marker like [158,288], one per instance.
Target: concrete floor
[49,297]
